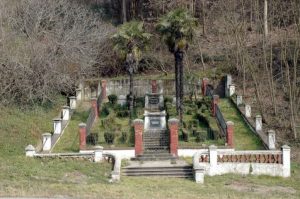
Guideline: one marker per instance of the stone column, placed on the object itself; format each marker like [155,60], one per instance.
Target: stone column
[271,140]
[239,100]
[227,84]
[198,170]
[248,111]
[30,151]
[138,134]
[57,126]
[72,102]
[213,159]
[286,160]
[95,107]
[79,94]
[214,104]
[204,86]
[230,134]
[46,141]
[173,127]
[98,156]
[258,123]
[154,86]
[66,113]
[104,89]
[231,90]
[82,136]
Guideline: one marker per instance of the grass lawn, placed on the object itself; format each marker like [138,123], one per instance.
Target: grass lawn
[244,139]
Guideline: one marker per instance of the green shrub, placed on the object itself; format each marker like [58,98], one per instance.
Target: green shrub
[168,99]
[122,113]
[199,137]
[109,137]
[185,135]
[112,99]
[104,111]
[140,102]
[124,137]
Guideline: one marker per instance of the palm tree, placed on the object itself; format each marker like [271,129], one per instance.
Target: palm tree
[129,41]
[177,29]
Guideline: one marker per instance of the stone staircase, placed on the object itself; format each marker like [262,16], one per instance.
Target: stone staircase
[159,168]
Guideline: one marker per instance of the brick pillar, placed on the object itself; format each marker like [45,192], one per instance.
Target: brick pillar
[173,127]
[214,104]
[230,134]
[95,106]
[82,136]
[154,86]
[138,135]
[204,85]
[103,89]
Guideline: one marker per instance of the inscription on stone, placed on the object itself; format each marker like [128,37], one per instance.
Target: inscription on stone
[154,123]
[153,100]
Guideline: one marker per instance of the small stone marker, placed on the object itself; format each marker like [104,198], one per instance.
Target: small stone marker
[271,140]
[248,111]
[239,100]
[258,123]
[122,100]
[231,90]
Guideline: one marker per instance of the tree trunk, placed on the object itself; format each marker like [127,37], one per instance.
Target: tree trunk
[131,96]
[179,82]
[266,18]
[124,10]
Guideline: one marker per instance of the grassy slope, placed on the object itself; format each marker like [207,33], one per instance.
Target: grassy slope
[243,137]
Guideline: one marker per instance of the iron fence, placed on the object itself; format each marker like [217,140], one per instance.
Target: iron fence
[221,120]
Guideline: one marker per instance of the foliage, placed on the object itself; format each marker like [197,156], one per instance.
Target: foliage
[109,137]
[177,28]
[104,111]
[131,38]
[112,99]
[124,137]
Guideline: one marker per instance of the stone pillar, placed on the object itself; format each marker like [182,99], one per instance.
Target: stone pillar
[57,126]
[30,151]
[204,86]
[98,156]
[72,102]
[213,159]
[248,111]
[231,90]
[227,84]
[95,107]
[173,127]
[46,141]
[214,104]
[66,113]
[258,123]
[138,134]
[286,160]
[104,89]
[82,136]
[79,94]
[154,86]
[271,140]
[198,170]
[230,134]
[239,100]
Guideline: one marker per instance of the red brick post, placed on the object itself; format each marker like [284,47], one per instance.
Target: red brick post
[204,86]
[173,127]
[82,136]
[214,104]
[103,89]
[230,134]
[154,86]
[95,107]
[138,135]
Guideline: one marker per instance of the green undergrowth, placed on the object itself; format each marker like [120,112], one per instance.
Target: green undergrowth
[69,141]
[244,139]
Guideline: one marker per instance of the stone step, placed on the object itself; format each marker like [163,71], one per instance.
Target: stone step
[155,147]
[171,171]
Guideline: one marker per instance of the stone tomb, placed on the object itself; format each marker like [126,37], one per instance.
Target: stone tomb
[155,120]
[154,102]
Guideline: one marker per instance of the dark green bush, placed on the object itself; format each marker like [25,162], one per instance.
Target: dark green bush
[112,99]
[109,137]
[185,135]
[104,111]
[168,99]
[199,136]
[140,102]
[122,113]
[92,138]
[124,137]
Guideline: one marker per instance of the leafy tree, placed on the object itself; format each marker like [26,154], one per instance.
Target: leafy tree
[177,29]
[129,41]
